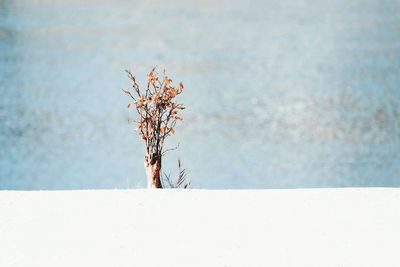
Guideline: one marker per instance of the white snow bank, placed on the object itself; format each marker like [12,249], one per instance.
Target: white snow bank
[304,227]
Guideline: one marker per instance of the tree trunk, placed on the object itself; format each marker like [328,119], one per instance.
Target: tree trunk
[152,165]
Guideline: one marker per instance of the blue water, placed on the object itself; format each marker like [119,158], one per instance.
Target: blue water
[280,94]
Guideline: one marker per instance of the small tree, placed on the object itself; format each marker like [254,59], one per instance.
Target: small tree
[158,115]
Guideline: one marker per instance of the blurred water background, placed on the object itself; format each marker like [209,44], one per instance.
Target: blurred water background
[280,94]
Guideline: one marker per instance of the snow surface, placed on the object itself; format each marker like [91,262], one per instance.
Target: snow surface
[301,227]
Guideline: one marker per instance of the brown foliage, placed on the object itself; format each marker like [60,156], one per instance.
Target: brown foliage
[157,109]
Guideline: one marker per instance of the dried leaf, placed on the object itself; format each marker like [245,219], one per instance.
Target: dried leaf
[168,81]
[178,117]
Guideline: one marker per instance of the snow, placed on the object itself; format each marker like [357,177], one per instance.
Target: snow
[294,227]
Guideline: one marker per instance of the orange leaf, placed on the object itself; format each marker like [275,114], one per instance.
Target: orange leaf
[167,81]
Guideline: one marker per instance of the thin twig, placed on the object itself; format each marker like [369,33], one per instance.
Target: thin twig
[170,149]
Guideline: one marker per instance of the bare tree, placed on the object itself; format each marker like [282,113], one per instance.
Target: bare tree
[158,115]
